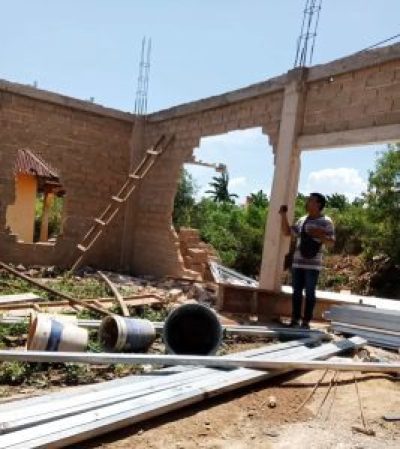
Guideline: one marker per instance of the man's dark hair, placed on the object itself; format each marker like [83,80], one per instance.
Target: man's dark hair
[320,199]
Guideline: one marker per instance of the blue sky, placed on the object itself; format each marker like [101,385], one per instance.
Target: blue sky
[90,48]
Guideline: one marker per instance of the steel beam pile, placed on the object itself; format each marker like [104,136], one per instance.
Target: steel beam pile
[380,327]
[64,418]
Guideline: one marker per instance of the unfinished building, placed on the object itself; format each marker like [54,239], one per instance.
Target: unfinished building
[350,101]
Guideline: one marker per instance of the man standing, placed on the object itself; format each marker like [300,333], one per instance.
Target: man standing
[312,232]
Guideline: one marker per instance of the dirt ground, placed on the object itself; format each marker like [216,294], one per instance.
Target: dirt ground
[244,420]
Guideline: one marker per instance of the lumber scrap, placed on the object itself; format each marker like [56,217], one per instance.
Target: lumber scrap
[116,293]
[191,360]
[19,297]
[70,299]
[76,428]
[133,301]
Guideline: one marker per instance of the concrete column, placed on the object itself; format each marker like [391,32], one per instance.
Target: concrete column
[285,182]
[136,147]
[44,225]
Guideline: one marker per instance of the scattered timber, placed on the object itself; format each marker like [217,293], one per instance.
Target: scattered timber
[48,289]
[116,293]
[19,297]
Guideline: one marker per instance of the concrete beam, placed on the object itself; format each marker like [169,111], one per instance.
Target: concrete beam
[354,62]
[63,100]
[354,137]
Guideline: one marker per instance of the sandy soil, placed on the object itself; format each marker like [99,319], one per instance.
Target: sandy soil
[244,420]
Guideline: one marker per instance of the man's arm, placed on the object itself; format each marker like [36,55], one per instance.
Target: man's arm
[284,221]
[327,237]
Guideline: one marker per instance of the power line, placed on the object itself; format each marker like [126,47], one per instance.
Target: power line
[380,43]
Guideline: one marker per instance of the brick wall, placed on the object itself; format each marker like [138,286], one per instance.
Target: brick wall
[91,147]
[155,243]
[357,99]
[89,150]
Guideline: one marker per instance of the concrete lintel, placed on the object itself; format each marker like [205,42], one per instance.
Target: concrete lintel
[63,100]
[351,63]
[354,62]
[217,101]
[354,137]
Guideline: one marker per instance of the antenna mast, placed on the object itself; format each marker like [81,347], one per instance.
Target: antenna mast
[308,33]
[143,78]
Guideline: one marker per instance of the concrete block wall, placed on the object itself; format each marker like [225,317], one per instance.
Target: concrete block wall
[156,247]
[93,147]
[358,99]
[90,151]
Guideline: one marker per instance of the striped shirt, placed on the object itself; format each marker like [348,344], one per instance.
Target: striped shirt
[323,222]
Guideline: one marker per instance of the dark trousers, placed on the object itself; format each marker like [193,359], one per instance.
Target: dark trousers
[303,279]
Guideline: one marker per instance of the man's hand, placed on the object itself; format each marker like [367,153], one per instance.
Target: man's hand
[317,233]
[283,209]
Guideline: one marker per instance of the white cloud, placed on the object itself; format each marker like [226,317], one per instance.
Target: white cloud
[346,181]
[237,182]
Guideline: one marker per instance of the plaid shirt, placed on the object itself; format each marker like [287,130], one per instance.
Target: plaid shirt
[322,222]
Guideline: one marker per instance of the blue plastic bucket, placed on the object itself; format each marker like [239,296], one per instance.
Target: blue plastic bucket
[117,333]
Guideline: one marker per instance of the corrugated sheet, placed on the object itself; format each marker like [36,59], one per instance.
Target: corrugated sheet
[31,164]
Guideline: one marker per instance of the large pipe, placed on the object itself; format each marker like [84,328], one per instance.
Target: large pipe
[192,329]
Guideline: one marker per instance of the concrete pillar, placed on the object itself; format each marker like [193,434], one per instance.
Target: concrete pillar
[44,225]
[285,181]
[136,147]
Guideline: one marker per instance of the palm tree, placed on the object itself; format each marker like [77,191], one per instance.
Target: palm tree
[259,199]
[220,190]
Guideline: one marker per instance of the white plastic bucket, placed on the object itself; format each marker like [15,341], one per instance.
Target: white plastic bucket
[55,333]
[117,333]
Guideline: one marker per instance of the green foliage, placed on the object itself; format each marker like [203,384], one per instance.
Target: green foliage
[220,189]
[184,200]
[55,216]
[13,373]
[234,231]
[337,201]
[383,206]
[368,225]
[259,199]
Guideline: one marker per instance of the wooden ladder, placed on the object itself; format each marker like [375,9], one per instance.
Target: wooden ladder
[116,202]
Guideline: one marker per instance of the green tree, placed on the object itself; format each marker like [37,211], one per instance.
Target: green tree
[220,192]
[383,206]
[337,201]
[259,199]
[184,200]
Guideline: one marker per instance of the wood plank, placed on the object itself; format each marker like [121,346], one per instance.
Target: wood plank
[54,292]
[19,297]
[116,293]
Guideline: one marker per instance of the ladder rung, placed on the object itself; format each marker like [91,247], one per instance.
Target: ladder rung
[135,176]
[81,247]
[117,199]
[100,222]
[153,153]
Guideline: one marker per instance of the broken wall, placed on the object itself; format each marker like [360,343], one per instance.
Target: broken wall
[87,144]
[93,147]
